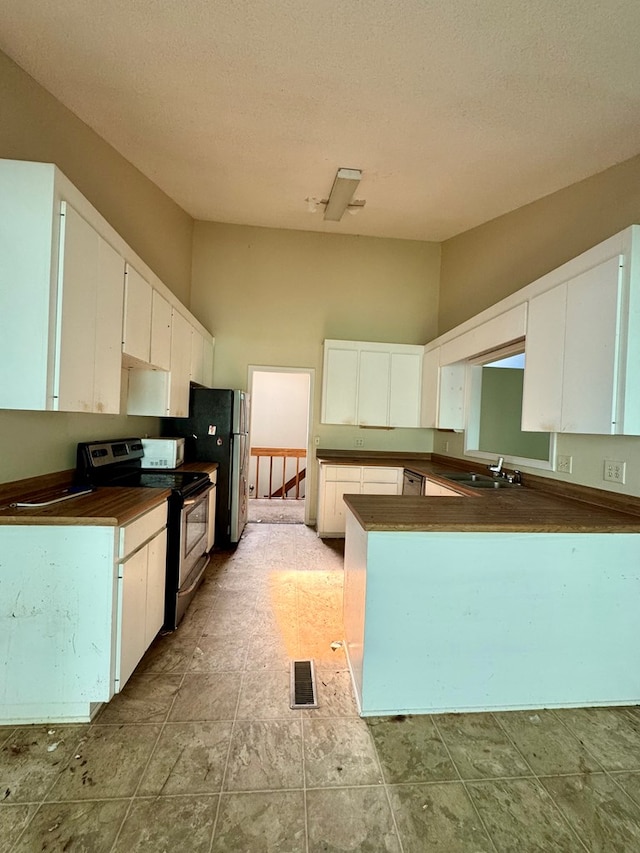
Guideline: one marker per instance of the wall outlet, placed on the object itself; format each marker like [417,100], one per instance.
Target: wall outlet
[446,447]
[614,472]
[358,442]
[564,464]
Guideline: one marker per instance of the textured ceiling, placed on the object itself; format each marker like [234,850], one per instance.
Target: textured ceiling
[456,112]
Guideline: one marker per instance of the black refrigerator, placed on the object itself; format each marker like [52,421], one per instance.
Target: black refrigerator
[217,430]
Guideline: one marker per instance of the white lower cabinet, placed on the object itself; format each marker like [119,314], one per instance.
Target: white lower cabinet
[141,587]
[71,629]
[336,481]
[432,489]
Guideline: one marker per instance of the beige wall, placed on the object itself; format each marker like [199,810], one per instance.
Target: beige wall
[272,297]
[489,262]
[484,265]
[35,126]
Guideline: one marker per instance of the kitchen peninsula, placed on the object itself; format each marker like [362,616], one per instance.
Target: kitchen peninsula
[513,600]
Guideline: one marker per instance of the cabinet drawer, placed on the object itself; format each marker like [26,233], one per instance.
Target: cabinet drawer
[134,534]
[342,473]
[380,475]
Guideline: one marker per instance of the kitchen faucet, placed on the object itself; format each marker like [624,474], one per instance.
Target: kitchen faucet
[497,468]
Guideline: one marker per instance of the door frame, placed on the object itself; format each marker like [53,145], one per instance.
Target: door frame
[311,372]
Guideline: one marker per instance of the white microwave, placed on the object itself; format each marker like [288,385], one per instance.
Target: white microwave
[163,452]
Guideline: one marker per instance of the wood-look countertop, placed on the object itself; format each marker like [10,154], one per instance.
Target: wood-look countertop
[541,505]
[522,511]
[111,506]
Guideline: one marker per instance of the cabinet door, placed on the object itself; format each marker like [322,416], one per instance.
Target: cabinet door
[76,313]
[404,391]
[197,356]
[89,323]
[379,489]
[435,489]
[108,331]
[334,508]
[160,331]
[451,396]
[180,366]
[544,356]
[207,362]
[591,347]
[373,388]
[156,582]
[430,384]
[571,354]
[136,340]
[339,385]
[132,606]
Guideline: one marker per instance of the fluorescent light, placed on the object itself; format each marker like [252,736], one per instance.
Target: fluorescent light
[344,186]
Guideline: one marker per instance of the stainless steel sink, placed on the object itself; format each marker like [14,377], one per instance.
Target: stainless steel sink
[486,484]
[462,476]
[474,481]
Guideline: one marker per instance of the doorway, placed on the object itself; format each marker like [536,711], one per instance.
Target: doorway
[279,444]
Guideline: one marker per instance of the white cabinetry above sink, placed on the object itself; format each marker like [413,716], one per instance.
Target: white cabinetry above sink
[583,349]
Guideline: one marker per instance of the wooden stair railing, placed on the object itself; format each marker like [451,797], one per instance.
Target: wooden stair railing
[284,453]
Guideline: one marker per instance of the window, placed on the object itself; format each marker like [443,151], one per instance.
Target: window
[495,412]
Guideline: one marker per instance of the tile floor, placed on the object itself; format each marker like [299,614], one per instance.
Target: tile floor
[202,753]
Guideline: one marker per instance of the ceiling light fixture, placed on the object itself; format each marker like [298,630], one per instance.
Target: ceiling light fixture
[344,186]
[341,196]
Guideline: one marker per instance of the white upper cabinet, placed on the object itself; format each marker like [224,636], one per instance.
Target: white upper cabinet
[443,392]
[430,384]
[89,319]
[405,382]
[581,368]
[178,405]
[371,384]
[201,358]
[339,383]
[72,313]
[60,297]
[373,387]
[572,348]
[160,347]
[138,294]
[147,324]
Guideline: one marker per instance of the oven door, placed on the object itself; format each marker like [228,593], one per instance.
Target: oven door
[193,539]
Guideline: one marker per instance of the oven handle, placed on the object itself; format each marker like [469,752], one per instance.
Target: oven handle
[200,496]
[197,580]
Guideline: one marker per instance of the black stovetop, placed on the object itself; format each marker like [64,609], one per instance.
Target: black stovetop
[120,462]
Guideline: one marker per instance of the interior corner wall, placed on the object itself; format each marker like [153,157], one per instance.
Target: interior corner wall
[35,126]
[487,263]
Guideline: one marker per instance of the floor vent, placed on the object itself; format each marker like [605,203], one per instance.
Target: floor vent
[303,684]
